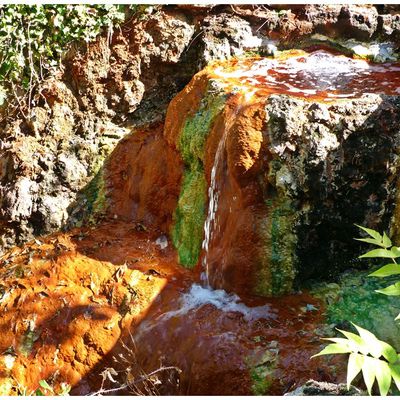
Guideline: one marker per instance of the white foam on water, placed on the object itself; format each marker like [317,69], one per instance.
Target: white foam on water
[199,296]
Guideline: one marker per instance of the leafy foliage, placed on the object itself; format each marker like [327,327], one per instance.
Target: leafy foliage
[377,360]
[34,37]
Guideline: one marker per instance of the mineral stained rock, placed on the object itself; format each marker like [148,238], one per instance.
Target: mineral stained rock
[269,186]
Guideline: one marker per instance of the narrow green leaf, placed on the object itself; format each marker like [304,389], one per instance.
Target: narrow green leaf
[395,250]
[383,376]
[379,253]
[388,352]
[369,240]
[386,270]
[342,341]
[356,343]
[395,370]
[376,235]
[334,348]
[372,342]
[354,366]
[386,240]
[45,385]
[392,290]
[368,371]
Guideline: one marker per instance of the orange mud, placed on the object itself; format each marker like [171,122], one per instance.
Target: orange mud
[67,299]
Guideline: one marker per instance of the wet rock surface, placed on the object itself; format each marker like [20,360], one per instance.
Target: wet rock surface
[271,185]
[110,300]
[348,162]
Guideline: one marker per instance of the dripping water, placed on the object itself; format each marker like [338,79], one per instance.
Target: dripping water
[214,191]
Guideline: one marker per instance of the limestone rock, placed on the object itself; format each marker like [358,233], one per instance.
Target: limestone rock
[225,36]
[314,388]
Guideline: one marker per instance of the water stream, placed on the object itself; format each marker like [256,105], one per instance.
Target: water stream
[319,74]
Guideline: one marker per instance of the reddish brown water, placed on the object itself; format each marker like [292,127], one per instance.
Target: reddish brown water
[225,347]
[320,74]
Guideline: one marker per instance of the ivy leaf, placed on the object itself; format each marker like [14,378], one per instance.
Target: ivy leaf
[392,290]
[380,253]
[354,367]
[387,270]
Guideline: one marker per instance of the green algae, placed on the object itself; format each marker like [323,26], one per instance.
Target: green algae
[93,199]
[260,382]
[187,231]
[283,242]
[95,194]
[262,365]
[276,271]
[353,299]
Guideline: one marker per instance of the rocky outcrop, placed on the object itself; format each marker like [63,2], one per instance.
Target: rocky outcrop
[269,187]
[51,158]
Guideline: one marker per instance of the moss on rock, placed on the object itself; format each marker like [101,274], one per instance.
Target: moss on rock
[276,273]
[262,365]
[277,267]
[353,299]
[187,232]
[92,201]
[189,218]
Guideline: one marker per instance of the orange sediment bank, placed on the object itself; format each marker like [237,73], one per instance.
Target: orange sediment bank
[68,299]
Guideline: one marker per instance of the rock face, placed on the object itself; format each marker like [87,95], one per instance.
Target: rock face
[270,186]
[50,160]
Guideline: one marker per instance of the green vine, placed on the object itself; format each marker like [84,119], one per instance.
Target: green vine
[33,39]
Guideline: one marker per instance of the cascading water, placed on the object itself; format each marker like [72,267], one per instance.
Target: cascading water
[213,197]
[211,222]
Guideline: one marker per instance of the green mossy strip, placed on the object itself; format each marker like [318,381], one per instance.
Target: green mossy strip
[93,199]
[187,232]
[353,299]
[276,272]
[283,242]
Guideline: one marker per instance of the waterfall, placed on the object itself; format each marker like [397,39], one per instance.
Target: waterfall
[213,197]
[213,190]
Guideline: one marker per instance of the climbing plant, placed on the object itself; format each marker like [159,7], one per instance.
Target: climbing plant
[33,39]
[375,359]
